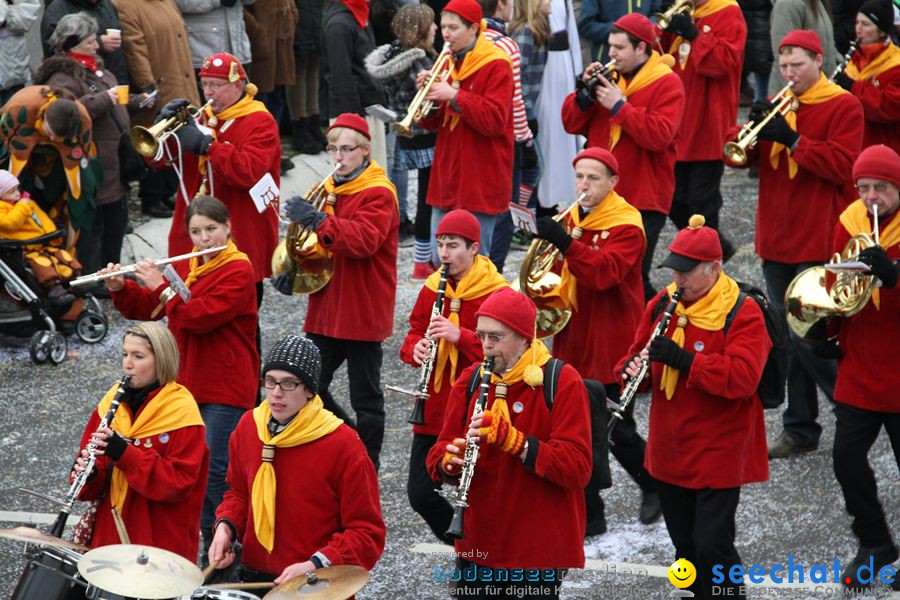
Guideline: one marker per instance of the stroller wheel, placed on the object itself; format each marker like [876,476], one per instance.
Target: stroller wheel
[39,347]
[91,327]
[57,348]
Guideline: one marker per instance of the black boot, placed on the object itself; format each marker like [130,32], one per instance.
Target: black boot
[596,517]
[312,123]
[879,556]
[301,138]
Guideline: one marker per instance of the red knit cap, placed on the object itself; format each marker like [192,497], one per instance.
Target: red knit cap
[693,245]
[469,10]
[223,66]
[639,26]
[513,309]
[878,162]
[803,38]
[462,223]
[601,154]
[352,121]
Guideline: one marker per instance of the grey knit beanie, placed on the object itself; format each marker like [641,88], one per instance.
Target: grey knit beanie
[297,355]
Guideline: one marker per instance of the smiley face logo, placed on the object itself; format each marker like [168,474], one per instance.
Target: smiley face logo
[682,573]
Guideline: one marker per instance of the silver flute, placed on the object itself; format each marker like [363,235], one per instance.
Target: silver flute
[459,498]
[85,279]
[81,478]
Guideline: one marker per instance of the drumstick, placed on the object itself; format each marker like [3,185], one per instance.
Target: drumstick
[120,526]
[243,586]
[208,570]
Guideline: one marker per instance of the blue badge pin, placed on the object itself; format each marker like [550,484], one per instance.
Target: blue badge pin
[518,407]
[698,346]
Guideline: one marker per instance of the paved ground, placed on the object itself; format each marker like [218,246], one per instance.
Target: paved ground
[799,512]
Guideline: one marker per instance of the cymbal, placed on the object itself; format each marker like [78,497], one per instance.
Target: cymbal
[331,583]
[36,536]
[138,571]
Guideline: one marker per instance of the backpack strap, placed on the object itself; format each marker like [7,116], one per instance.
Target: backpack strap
[734,309]
[473,382]
[554,366]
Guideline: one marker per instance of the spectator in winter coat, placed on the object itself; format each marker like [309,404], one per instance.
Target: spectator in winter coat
[16,18]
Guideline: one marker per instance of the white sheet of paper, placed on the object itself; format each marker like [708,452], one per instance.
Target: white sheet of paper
[381,113]
[264,192]
[522,218]
[176,283]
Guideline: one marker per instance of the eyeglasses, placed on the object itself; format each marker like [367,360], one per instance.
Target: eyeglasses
[340,149]
[207,85]
[864,189]
[493,337]
[288,385]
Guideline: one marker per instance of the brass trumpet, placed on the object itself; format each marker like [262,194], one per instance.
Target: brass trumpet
[681,6]
[146,140]
[736,151]
[312,269]
[419,107]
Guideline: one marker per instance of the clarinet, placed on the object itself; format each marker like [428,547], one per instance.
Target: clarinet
[418,414]
[459,498]
[631,388]
[78,482]
[844,60]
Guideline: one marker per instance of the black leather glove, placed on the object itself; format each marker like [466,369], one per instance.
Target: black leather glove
[192,139]
[171,108]
[529,156]
[759,109]
[827,349]
[682,24]
[881,265]
[844,80]
[664,350]
[284,283]
[533,126]
[778,130]
[299,210]
[228,3]
[554,232]
[115,446]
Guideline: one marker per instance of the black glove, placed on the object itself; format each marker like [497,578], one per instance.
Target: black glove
[192,139]
[844,80]
[554,232]
[623,373]
[171,108]
[664,350]
[682,24]
[228,3]
[529,156]
[759,109]
[115,446]
[827,349]
[533,126]
[881,265]
[666,5]
[284,283]
[778,130]
[299,210]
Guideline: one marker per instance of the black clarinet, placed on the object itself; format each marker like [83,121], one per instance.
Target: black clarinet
[460,499]
[631,388]
[418,414]
[78,482]
[854,45]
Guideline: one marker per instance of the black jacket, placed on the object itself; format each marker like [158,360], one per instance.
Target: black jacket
[308,34]
[348,87]
[758,49]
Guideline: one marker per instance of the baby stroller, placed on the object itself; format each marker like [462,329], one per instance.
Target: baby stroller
[31,314]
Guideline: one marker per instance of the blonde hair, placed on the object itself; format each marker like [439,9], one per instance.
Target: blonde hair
[162,345]
[527,12]
[335,132]
[412,26]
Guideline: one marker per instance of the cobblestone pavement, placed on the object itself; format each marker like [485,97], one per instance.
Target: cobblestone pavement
[799,512]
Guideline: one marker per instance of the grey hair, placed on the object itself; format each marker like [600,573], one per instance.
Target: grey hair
[80,25]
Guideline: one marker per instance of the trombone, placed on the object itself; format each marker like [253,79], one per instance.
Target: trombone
[146,140]
[419,107]
[681,6]
[736,151]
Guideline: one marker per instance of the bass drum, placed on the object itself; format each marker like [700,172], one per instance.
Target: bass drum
[51,574]
[207,593]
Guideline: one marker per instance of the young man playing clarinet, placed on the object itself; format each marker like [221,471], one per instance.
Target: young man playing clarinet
[470,278]
[534,458]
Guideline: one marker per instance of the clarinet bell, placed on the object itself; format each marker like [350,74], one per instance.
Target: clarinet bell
[456,525]
[417,417]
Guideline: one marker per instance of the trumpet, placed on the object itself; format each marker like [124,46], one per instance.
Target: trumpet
[86,279]
[846,59]
[79,480]
[419,107]
[459,498]
[680,6]
[736,151]
[146,140]
[607,71]
[297,254]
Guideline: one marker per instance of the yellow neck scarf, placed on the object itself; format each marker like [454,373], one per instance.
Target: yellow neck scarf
[652,70]
[822,91]
[855,219]
[612,211]
[481,54]
[886,60]
[222,258]
[537,355]
[310,424]
[481,280]
[707,313]
[171,408]
[243,107]
[708,8]
[372,176]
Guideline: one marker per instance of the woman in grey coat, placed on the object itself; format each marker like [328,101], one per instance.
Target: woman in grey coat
[16,18]
[788,15]
[215,26]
